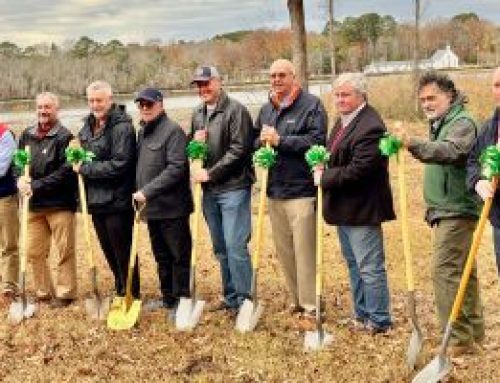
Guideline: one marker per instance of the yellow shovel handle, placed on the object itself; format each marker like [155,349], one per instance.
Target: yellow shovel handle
[476,240]
[319,240]
[403,207]
[24,219]
[86,223]
[132,260]
[260,219]
[196,217]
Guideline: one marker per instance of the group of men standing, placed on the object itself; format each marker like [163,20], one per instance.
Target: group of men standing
[152,168]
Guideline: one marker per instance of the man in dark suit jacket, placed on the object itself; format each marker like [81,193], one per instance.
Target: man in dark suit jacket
[358,199]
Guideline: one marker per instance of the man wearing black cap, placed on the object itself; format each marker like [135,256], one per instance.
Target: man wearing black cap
[226,126]
[162,180]
[108,132]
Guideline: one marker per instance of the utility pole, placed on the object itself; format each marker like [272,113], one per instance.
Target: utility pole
[416,52]
[299,44]
[332,38]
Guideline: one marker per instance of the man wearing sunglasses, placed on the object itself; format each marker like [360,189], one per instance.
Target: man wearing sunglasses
[162,180]
[226,126]
[292,121]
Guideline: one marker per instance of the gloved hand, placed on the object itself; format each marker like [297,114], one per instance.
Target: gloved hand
[484,189]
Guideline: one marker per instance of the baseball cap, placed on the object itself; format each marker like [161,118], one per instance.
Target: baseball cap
[149,94]
[205,73]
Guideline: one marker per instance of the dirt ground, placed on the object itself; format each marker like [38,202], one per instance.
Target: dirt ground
[63,346]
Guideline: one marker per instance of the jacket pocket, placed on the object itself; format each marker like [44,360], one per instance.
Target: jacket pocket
[154,155]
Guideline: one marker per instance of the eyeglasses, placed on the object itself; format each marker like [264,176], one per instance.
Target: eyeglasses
[145,104]
[278,75]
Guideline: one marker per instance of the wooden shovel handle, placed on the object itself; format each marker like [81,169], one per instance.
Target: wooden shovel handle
[319,241]
[24,218]
[86,223]
[403,207]
[476,240]
[197,164]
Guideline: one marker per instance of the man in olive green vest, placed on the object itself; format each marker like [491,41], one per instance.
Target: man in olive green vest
[452,211]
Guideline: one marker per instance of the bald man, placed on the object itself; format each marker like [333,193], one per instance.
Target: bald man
[292,121]
[475,181]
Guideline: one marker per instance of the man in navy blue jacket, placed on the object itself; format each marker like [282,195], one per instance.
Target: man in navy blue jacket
[488,136]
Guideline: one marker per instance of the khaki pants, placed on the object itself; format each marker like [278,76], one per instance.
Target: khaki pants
[294,233]
[58,225]
[452,241]
[9,234]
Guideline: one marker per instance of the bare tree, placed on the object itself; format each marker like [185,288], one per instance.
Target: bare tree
[416,51]
[299,42]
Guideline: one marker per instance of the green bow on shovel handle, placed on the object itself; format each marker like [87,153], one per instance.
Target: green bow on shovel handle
[389,145]
[21,158]
[265,157]
[197,150]
[490,162]
[317,155]
[75,155]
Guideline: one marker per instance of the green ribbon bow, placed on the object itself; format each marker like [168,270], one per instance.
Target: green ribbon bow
[317,155]
[21,158]
[389,145]
[490,162]
[76,155]
[265,157]
[197,150]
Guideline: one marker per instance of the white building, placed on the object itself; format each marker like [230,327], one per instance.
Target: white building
[442,58]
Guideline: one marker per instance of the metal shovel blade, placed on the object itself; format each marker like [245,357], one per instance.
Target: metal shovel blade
[121,318]
[436,370]
[248,316]
[316,340]
[414,348]
[19,310]
[97,308]
[188,313]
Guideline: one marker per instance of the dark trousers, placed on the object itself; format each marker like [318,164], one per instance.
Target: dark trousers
[115,235]
[171,244]
[496,246]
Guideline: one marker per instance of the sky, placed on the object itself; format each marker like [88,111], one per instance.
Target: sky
[27,22]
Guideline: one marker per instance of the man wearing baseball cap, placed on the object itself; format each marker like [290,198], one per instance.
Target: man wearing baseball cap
[227,177]
[162,181]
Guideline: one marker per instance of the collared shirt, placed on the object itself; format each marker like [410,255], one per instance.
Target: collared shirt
[346,119]
[7,148]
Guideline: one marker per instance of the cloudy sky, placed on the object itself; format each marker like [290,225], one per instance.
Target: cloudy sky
[33,21]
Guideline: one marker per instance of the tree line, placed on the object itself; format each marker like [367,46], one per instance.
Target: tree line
[242,56]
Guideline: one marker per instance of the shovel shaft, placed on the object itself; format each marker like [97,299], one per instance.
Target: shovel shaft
[476,240]
[132,260]
[260,229]
[319,242]
[403,207]
[196,233]
[86,223]
[25,203]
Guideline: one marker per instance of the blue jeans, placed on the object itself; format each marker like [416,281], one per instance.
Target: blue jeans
[496,246]
[228,217]
[363,250]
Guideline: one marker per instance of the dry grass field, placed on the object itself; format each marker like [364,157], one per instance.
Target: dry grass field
[62,346]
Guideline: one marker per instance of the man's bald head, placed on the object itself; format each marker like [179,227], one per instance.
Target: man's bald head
[282,75]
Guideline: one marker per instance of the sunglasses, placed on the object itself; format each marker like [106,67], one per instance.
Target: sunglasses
[145,104]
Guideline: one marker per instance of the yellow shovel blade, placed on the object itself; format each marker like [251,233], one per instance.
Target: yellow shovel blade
[119,318]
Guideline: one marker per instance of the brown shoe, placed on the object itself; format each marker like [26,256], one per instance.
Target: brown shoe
[457,350]
[58,303]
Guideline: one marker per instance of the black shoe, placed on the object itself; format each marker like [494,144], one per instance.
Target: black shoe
[58,303]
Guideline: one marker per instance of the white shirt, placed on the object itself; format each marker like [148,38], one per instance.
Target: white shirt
[346,119]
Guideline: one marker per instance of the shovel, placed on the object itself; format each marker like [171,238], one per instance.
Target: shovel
[22,308]
[189,310]
[441,365]
[96,307]
[251,310]
[416,338]
[124,311]
[316,340]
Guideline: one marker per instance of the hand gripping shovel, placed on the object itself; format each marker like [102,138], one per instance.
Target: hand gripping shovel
[441,365]
[124,312]
[251,310]
[189,310]
[316,340]
[416,338]
[95,306]
[22,308]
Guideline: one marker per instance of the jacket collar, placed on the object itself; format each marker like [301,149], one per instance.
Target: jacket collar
[51,133]
[151,126]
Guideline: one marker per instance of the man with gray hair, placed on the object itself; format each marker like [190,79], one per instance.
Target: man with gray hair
[358,199]
[52,186]
[291,122]
[108,132]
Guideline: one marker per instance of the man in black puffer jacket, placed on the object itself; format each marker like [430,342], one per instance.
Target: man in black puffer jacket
[52,185]
[108,132]
[163,184]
